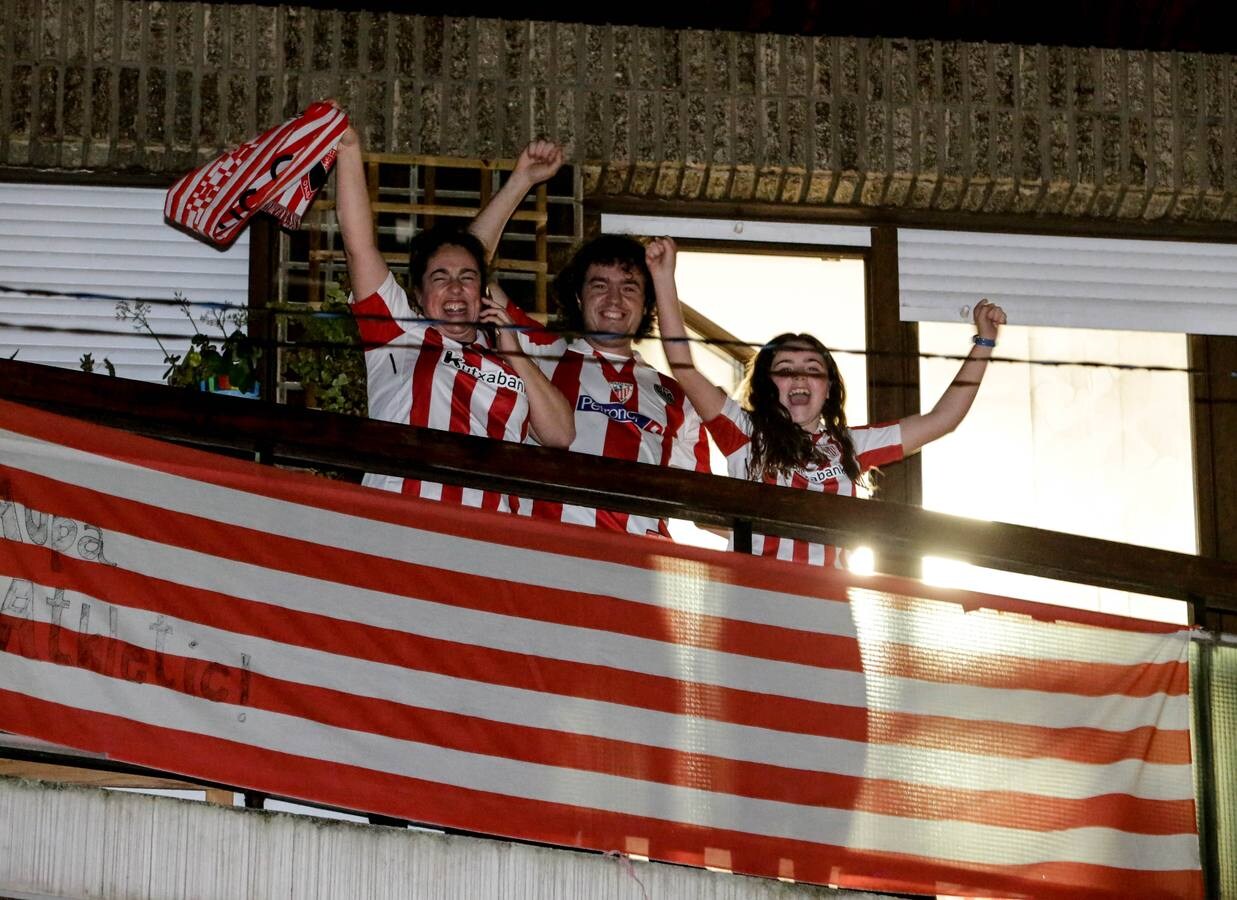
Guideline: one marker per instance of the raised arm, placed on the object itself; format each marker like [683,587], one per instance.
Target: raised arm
[550,415]
[956,402]
[537,163]
[707,397]
[366,268]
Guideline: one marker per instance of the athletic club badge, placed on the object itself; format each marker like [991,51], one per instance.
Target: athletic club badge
[621,391]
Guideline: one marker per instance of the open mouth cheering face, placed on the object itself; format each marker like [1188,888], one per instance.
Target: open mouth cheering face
[802,385]
[451,292]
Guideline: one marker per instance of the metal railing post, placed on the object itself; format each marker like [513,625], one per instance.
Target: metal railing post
[1204,762]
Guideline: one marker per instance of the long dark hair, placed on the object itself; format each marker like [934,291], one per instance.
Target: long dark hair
[778,444]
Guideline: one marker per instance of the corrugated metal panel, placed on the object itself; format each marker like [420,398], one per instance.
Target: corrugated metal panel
[103,240]
[69,842]
[857,236]
[1130,285]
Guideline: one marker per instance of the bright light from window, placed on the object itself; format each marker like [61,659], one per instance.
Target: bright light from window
[756,297]
[861,561]
[1101,452]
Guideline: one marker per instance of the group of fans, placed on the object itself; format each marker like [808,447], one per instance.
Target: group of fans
[448,358]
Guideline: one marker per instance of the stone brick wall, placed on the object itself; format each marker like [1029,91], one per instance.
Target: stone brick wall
[833,122]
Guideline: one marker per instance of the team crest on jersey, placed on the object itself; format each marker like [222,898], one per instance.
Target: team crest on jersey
[665,393]
[621,391]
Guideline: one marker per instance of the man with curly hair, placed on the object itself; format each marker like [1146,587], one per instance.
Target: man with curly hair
[624,408]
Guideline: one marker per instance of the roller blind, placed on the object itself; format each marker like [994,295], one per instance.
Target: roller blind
[103,240]
[739,230]
[1078,282]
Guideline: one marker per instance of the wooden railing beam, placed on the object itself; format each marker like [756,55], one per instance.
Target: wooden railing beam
[325,439]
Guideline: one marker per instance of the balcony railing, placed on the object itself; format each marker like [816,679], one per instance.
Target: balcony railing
[281,435]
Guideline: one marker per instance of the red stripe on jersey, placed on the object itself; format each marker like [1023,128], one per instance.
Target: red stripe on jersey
[375,322]
[730,437]
[875,456]
[622,438]
[423,378]
[611,520]
[531,330]
[674,416]
[880,456]
[703,461]
[500,413]
[566,378]
[462,388]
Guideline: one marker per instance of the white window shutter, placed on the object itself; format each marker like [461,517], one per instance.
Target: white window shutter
[104,240]
[738,230]
[1074,282]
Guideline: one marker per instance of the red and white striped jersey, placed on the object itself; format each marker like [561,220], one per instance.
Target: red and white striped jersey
[421,377]
[875,445]
[624,409]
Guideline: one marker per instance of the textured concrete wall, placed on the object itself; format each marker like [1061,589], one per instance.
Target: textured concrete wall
[827,122]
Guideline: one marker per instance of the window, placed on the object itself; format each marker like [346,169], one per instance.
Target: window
[1080,439]
[109,241]
[756,296]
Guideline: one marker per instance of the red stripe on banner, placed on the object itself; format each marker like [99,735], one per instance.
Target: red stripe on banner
[695,770]
[459,660]
[1088,745]
[499,596]
[1043,823]
[608,614]
[310,490]
[994,670]
[347,786]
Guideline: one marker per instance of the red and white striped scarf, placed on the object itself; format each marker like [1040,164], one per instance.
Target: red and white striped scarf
[277,172]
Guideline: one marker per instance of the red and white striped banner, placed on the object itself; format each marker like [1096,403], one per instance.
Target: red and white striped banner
[306,638]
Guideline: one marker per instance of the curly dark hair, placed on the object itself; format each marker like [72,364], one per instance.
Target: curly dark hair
[778,444]
[619,250]
[428,242]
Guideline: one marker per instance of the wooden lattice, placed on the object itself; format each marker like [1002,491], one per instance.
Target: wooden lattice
[409,194]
